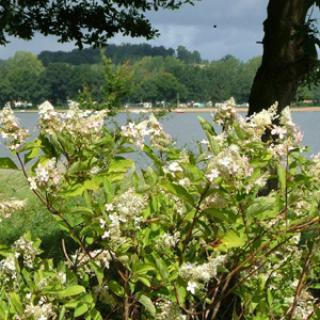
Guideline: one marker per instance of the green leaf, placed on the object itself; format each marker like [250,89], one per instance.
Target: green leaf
[149,152]
[207,127]
[78,189]
[15,302]
[116,288]
[62,313]
[80,310]
[7,163]
[231,240]
[181,292]
[282,176]
[144,281]
[120,166]
[34,148]
[143,269]
[147,303]
[222,215]
[178,191]
[71,291]
[265,207]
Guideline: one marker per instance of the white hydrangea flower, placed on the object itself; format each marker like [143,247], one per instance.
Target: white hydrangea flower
[192,286]
[129,205]
[158,137]
[226,112]
[204,142]
[229,164]
[102,257]
[8,207]
[42,311]
[202,272]
[184,182]
[8,267]
[173,168]
[136,133]
[167,310]
[212,174]
[24,248]
[109,207]
[10,130]
[167,240]
[84,127]
[47,175]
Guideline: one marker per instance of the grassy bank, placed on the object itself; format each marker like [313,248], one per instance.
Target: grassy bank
[33,217]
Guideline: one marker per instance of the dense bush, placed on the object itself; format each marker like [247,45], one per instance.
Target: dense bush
[230,232]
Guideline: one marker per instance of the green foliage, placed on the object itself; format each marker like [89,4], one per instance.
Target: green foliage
[117,82]
[124,74]
[190,236]
[82,22]
[20,78]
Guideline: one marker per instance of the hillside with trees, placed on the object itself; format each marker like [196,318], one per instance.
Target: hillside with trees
[149,74]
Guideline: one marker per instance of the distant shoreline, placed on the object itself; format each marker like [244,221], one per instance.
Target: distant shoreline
[184,110]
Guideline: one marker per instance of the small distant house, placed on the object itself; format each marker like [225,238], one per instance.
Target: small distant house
[46,105]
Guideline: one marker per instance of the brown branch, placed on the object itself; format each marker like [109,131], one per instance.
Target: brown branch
[306,266]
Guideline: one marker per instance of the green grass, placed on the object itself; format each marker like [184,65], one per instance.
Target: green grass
[34,217]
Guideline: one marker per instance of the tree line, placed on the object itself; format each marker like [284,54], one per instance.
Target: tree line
[127,74]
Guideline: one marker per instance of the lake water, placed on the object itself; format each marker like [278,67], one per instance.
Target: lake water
[186,130]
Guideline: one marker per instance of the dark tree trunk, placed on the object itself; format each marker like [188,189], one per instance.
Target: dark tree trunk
[288,55]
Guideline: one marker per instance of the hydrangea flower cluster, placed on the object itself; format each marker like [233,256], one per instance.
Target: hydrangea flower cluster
[167,310]
[82,126]
[203,273]
[229,164]
[125,209]
[226,113]
[43,310]
[101,257]
[10,129]
[9,207]
[25,249]
[8,268]
[137,133]
[48,175]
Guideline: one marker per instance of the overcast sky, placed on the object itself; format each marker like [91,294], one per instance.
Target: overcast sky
[239,27]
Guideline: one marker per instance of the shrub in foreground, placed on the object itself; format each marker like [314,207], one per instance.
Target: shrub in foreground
[229,232]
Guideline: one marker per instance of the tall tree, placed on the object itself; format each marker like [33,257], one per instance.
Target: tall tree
[289,53]
[20,78]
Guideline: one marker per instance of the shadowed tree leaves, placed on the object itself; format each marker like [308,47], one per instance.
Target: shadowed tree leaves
[84,21]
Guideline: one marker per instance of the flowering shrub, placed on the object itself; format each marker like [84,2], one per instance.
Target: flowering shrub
[230,232]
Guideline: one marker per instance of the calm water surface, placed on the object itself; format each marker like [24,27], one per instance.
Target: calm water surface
[186,130]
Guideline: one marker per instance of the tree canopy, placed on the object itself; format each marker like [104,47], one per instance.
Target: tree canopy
[83,21]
